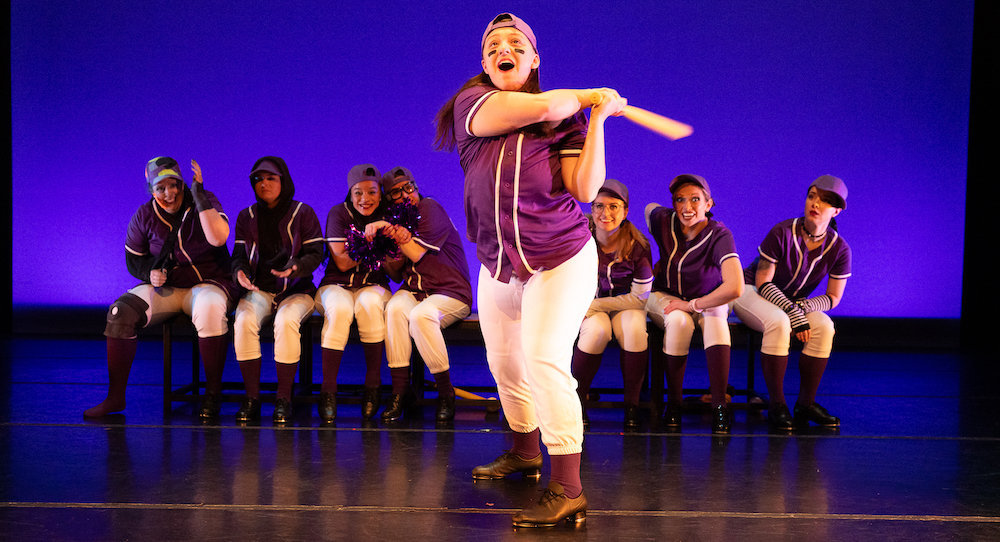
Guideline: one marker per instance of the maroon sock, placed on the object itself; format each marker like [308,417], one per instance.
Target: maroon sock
[675,377]
[373,363]
[774,368]
[121,353]
[213,358]
[400,380]
[286,379]
[331,366]
[718,372]
[584,370]
[633,372]
[444,386]
[810,372]
[527,445]
[566,472]
[251,377]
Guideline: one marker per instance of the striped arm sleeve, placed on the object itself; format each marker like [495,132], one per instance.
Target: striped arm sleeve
[820,303]
[773,294]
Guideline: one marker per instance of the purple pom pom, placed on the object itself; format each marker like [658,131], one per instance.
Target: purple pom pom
[403,214]
[361,250]
[370,255]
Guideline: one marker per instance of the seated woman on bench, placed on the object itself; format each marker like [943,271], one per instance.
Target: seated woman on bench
[436,292]
[279,243]
[351,290]
[624,278]
[795,257]
[176,247]
[698,274]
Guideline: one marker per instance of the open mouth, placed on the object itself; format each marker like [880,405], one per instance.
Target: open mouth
[505,65]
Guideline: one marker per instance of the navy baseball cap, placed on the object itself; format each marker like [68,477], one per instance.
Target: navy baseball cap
[835,185]
[692,179]
[509,20]
[160,168]
[615,189]
[361,173]
[395,176]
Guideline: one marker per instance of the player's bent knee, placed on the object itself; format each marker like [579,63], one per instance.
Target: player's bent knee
[126,316]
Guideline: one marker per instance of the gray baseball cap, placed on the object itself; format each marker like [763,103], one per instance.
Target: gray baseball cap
[505,20]
[615,189]
[395,176]
[361,173]
[693,179]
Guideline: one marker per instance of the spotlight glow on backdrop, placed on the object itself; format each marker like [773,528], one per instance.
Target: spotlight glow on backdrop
[875,92]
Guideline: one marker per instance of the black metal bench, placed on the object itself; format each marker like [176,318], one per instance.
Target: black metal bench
[466,331]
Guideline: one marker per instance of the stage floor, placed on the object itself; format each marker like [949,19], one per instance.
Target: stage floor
[917,458]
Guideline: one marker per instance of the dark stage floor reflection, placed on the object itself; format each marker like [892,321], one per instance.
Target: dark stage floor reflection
[916,459]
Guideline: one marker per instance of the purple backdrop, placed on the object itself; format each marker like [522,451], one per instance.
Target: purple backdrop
[874,92]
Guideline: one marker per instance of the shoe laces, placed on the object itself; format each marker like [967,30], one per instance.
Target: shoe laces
[548,497]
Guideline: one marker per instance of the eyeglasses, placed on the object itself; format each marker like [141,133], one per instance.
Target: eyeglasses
[598,208]
[397,193]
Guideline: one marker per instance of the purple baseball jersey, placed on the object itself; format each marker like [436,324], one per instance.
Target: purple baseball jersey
[338,222]
[616,278]
[443,269]
[517,210]
[301,238]
[689,269]
[195,261]
[797,272]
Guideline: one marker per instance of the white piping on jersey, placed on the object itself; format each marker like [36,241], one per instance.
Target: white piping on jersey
[673,235]
[413,265]
[475,107]
[420,279]
[680,263]
[427,246]
[288,229]
[798,251]
[812,266]
[517,188]
[291,242]
[180,245]
[496,212]
[156,209]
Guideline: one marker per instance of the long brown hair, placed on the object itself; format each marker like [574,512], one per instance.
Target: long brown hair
[628,238]
[444,138]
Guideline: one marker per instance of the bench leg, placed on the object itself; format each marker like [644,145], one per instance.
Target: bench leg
[195,363]
[167,368]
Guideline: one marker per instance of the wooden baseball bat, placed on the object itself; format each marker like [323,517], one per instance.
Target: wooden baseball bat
[494,403]
[666,127]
